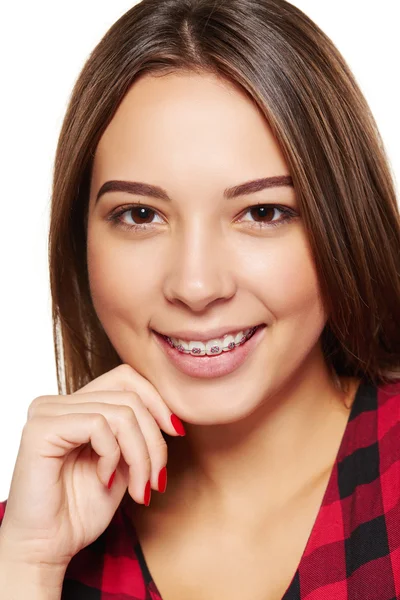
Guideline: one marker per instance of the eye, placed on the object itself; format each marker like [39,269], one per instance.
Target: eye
[263,216]
[137,217]
[134,217]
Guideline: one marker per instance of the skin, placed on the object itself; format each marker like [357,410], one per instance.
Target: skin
[197,267]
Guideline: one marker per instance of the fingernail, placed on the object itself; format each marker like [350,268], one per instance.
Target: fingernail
[177,424]
[162,480]
[111,479]
[147,494]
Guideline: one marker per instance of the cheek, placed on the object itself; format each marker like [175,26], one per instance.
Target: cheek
[283,277]
[121,284]
[297,288]
[297,300]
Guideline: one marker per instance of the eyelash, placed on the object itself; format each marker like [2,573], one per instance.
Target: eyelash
[115,217]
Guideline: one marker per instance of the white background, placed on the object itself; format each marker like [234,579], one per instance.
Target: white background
[43,46]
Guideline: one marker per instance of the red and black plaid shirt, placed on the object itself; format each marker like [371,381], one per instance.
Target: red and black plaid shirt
[353,552]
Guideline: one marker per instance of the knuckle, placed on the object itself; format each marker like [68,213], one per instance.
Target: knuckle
[126,413]
[132,398]
[36,402]
[117,450]
[142,459]
[159,451]
[124,370]
[160,445]
[98,421]
[147,462]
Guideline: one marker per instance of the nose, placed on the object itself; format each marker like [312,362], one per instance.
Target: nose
[199,272]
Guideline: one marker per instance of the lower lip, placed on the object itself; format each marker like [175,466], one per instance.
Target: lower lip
[211,366]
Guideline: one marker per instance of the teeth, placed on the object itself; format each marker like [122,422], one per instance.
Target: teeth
[183,346]
[240,337]
[229,343]
[197,348]
[212,347]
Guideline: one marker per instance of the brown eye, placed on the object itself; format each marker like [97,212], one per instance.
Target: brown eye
[263,216]
[262,213]
[141,214]
[134,217]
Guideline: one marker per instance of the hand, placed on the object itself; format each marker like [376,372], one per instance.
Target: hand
[59,501]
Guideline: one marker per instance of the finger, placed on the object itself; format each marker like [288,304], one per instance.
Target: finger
[157,448]
[142,445]
[125,378]
[55,437]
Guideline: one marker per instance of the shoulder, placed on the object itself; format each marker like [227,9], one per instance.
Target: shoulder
[369,456]
[375,417]
[376,406]
[372,448]
[388,401]
[369,482]
[388,431]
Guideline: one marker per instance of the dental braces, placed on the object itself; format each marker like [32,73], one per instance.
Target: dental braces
[214,349]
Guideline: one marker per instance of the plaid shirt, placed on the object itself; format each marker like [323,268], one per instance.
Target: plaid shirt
[353,552]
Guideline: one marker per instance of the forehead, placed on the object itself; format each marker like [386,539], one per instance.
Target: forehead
[187,125]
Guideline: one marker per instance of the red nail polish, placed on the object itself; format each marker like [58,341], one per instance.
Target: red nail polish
[111,480]
[177,424]
[147,494]
[162,480]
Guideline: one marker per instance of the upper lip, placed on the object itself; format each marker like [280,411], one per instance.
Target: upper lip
[204,336]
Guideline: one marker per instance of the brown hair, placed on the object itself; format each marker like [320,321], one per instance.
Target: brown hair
[294,74]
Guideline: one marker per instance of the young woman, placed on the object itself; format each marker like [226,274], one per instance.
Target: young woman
[225,275]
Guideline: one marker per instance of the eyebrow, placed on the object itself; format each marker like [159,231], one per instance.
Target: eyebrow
[146,189]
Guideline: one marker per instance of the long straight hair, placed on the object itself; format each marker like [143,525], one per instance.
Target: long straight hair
[298,79]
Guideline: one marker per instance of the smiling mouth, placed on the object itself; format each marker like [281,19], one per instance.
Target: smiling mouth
[215,347]
[217,362]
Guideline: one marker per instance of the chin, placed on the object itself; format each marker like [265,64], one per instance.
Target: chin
[216,407]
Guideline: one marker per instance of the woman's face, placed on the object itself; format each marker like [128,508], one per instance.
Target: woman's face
[201,261]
